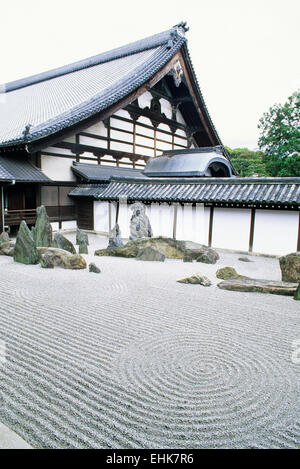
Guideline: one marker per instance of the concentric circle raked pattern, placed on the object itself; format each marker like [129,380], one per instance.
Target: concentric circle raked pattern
[199,385]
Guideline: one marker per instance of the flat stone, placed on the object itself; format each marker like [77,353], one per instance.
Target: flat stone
[261,286]
[42,232]
[244,259]
[290,267]
[94,268]
[228,272]
[61,242]
[60,258]
[196,279]
[25,250]
[150,254]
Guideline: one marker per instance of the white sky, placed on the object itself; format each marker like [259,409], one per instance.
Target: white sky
[245,53]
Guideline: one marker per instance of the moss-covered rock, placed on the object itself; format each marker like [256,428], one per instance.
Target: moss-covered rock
[25,250]
[228,272]
[170,248]
[60,258]
[42,232]
[290,267]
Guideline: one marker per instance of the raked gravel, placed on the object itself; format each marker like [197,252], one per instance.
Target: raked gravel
[129,358]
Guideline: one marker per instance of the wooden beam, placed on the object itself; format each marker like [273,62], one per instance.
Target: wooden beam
[210,228]
[252,226]
[298,242]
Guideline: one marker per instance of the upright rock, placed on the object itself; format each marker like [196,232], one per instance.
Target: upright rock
[297,293]
[290,267]
[115,240]
[83,247]
[25,250]
[62,242]
[81,237]
[42,232]
[139,224]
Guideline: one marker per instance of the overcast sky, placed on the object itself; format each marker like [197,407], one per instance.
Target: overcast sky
[245,53]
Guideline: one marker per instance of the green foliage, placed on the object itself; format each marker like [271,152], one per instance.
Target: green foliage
[280,137]
[248,162]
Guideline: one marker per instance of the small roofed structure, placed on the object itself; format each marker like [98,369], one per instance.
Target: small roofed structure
[208,161]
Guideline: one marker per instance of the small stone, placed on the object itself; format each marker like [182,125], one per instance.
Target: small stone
[62,242]
[297,293]
[94,268]
[244,259]
[25,250]
[187,259]
[196,279]
[150,254]
[228,272]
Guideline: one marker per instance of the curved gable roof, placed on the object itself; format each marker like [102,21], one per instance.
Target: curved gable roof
[49,102]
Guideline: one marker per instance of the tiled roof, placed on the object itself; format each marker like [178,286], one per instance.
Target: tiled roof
[20,170]
[88,190]
[44,104]
[95,172]
[261,191]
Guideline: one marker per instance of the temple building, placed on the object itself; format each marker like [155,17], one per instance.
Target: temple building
[90,138]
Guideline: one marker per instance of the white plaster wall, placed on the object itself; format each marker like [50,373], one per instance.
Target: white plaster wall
[166,108]
[145,99]
[57,168]
[231,228]
[101,216]
[54,226]
[192,223]
[275,232]
[97,129]
[125,215]
[161,219]
[69,225]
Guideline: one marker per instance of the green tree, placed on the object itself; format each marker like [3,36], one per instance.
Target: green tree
[280,137]
[248,162]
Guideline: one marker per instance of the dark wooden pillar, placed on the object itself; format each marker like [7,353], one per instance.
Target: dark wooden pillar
[298,242]
[2,221]
[210,228]
[252,226]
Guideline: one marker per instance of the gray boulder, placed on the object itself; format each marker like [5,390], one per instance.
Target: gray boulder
[94,268]
[290,267]
[61,242]
[42,232]
[150,254]
[25,250]
[7,248]
[49,256]
[4,238]
[209,256]
[196,279]
[115,240]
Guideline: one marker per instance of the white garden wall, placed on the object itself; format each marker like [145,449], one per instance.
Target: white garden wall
[231,228]
[275,232]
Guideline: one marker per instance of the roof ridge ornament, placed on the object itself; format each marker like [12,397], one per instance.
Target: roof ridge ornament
[181,28]
[26,130]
